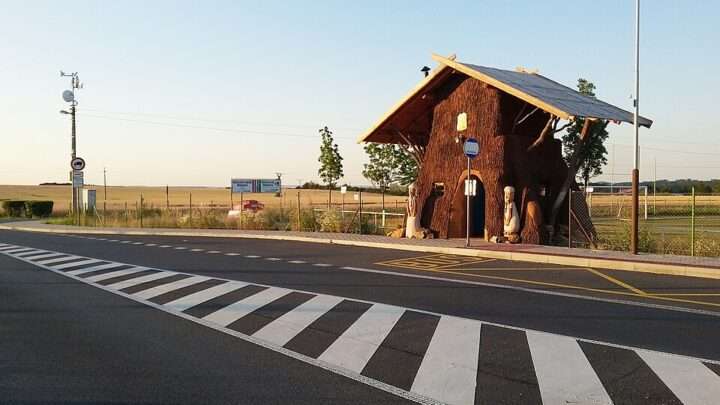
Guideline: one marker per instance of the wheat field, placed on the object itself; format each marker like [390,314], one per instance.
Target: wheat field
[118,196]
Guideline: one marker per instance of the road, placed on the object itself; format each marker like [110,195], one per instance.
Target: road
[128,319]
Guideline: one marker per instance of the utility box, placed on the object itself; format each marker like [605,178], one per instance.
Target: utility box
[88,199]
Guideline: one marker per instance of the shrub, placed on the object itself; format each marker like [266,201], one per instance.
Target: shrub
[38,209]
[14,208]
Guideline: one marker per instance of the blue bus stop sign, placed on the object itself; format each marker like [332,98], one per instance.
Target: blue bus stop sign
[471,148]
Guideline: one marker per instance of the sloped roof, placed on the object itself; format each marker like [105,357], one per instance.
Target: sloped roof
[535,89]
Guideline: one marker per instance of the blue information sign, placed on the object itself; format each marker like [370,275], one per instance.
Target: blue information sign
[471,148]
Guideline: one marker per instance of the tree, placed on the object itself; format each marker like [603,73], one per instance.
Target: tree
[389,164]
[592,154]
[331,168]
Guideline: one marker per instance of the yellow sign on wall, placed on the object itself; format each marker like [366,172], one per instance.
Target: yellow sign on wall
[462,122]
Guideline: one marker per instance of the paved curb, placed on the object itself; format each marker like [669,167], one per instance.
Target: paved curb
[574,261]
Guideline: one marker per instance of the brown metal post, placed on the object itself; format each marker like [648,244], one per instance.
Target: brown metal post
[634,212]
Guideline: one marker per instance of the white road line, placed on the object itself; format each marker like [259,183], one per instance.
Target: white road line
[564,374]
[66,265]
[196,250]
[297,262]
[162,289]
[199,297]
[233,312]
[102,238]
[59,259]
[212,252]
[448,371]
[164,246]
[690,380]
[113,240]
[322,265]
[116,273]
[141,279]
[42,256]
[252,256]
[353,349]
[232,254]
[137,243]
[291,323]
[125,241]
[151,244]
[180,248]
[273,259]
[94,268]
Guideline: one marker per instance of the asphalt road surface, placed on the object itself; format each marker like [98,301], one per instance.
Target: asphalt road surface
[129,319]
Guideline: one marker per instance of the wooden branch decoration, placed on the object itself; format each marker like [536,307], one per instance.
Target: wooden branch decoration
[547,131]
[573,166]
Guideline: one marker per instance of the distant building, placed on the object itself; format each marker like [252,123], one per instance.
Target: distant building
[507,111]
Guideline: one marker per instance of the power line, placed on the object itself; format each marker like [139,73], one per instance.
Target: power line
[186,118]
[241,131]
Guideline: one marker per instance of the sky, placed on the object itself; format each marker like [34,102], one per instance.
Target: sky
[197,92]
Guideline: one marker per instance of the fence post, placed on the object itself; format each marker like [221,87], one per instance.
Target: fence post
[126,214]
[141,210]
[360,230]
[692,224]
[570,219]
[298,212]
[242,209]
[191,210]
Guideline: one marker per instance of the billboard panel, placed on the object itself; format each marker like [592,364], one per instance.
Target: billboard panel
[255,185]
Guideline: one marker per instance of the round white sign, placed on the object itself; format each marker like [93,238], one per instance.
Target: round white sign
[77,163]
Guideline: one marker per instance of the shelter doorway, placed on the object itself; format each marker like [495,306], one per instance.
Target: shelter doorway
[457,225]
[477,210]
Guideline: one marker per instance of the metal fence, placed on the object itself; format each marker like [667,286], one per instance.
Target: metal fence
[679,224]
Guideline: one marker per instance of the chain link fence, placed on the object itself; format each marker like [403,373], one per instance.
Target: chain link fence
[677,224]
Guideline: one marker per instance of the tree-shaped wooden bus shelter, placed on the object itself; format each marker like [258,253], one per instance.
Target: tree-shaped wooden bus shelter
[513,115]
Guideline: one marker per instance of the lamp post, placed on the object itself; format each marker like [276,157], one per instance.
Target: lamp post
[636,116]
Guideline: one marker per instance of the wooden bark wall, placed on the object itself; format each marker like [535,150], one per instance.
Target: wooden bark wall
[504,160]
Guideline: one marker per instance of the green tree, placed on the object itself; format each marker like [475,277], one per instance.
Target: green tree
[389,164]
[331,168]
[593,154]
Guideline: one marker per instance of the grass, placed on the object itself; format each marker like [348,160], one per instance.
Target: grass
[119,196]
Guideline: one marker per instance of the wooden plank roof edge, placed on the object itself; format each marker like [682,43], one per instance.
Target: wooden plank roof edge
[414,92]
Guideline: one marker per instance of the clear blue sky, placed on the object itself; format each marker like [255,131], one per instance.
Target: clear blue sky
[159,75]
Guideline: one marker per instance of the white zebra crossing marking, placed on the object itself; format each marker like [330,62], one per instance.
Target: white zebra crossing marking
[113,274]
[38,255]
[181,304]
[17,250]
[73,264]
[233,312]
[94,268]
[59,259]
[142,279]
[291,323]
[34,252]
[448,371]
[564,374]
[690,380]
[354,348]
[162,289]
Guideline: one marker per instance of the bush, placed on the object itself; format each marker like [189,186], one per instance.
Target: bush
[38,209]
[14,208]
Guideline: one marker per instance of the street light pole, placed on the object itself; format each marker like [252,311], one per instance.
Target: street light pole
[74,85]
[636,160]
